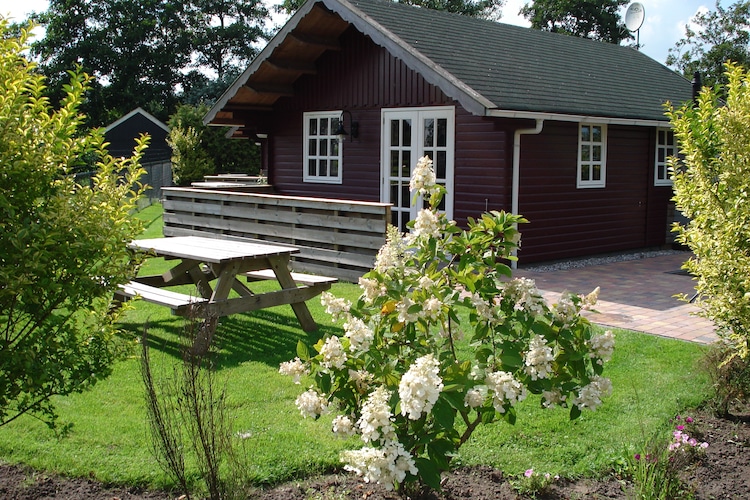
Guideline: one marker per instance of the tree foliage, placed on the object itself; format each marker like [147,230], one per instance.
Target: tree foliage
[719,36]
[226,155]
[145,53]
[487,9]
[712,188]
[595,19]
[63,247]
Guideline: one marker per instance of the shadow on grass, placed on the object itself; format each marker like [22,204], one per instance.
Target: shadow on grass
[266,336]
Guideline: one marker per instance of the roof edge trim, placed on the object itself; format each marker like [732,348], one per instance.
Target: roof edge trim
[608,120]
[134,112]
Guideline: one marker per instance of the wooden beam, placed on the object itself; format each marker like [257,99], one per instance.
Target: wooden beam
[325,43]
[272,90]
[294,66]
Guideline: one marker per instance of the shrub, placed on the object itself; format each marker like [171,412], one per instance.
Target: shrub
[63,247]
[712,186]
[402,379]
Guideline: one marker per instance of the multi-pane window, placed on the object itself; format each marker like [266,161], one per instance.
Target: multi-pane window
[322,149]
[665,147]
[592,155]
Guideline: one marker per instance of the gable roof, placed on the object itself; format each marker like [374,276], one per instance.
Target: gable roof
[121,135]
[491,68]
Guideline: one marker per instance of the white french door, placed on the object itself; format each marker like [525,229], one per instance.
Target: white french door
[408,134]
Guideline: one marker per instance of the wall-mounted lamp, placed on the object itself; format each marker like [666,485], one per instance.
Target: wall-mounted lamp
[341,131]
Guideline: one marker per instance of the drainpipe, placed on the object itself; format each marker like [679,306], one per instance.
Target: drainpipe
[517,170]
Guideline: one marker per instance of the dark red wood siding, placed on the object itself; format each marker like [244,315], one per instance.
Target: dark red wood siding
[363,78]
[565,221]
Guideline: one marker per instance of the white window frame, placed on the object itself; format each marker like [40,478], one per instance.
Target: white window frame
[590,162]
[334,148]
[663,151]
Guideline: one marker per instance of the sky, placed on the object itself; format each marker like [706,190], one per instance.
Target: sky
[664,23]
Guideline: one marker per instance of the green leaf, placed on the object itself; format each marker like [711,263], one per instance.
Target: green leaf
[302,351]
[429,473]
[575,412]
[444,413]
[439,451]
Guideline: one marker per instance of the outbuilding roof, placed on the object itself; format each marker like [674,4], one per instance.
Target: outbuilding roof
[491,68]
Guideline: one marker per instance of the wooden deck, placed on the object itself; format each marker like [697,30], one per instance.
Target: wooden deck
[337,238]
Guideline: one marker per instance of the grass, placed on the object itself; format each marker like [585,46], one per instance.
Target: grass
[654,379]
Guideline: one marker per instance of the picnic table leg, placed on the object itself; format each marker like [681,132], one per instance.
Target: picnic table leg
[281,269]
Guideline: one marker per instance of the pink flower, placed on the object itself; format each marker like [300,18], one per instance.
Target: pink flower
[688,420]
[680,427]
[637,456]
[704,445]
[528,472]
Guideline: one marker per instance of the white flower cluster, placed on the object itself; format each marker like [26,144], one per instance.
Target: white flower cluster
[525,295]
[505,388]
[590,300]
[361,379]
[602,346]
[387,465]
[294,368]
[590,396]
[371,289]
[404,316]
[475,396]
[539,358]
[565,309]
[359,334]
[333,354]
[420,387]
[375,422]
[423,178]
[336,307]
[427,224]
[553,398]
[432,308]
[485,310]
[311,404]
[390,257]
[343,426]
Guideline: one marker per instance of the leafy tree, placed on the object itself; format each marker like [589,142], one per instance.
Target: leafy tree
[226,155]
[595,19]
[190,162]
[488,9]
[144,53]
[712,187]
[63,247]
[722,35]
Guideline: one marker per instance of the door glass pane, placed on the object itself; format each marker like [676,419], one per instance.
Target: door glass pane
[312,146]
[323,168]
[661,155]
[313,126]
[441,164]
[585,133]
[334,147]
[406,164]
[311,167]
[597,172]
[395,132]
[334,168]
[324,126]
[323,143]
[442,133]
[585,153]
[585,176]
[406,137]
[395,163]
[405,198]
[597,153]
[429,132]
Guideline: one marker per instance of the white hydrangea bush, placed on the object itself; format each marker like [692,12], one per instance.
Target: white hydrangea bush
[399,380]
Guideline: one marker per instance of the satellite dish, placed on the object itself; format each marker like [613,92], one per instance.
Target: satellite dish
[634,16]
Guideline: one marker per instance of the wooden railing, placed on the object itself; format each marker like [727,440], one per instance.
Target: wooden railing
[338,238]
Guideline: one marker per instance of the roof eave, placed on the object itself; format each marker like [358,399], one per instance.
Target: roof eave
[608,120]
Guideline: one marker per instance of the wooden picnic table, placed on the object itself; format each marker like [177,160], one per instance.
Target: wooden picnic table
[215,267]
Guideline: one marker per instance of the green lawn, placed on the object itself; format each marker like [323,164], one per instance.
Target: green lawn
[653,378]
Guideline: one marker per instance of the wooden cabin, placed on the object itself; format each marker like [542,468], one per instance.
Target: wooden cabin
[568,132]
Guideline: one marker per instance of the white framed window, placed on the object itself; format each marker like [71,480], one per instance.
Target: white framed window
[665,147]
[322,155]
[592,155]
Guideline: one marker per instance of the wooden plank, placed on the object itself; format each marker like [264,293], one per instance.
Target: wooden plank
[171,193]
[305,279]
[168,298]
